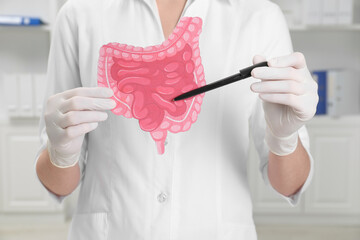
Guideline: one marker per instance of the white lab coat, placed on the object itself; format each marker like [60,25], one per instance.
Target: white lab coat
[198,189]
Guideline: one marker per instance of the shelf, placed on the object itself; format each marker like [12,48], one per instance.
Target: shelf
[348,120]
[43,28]
[299,28]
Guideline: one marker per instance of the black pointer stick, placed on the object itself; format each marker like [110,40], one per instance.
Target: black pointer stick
[244,73]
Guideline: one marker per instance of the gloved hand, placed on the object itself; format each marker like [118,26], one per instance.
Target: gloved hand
[69,116]
[289,97]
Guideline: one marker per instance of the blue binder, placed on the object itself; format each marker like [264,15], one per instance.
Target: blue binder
[321,78]
[8,20]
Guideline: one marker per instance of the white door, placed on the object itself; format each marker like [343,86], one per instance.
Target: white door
[20,189]
[336,184]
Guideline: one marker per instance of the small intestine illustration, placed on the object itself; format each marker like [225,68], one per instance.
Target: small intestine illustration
[146,80]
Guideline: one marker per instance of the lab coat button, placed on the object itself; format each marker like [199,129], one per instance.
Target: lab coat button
[162,197]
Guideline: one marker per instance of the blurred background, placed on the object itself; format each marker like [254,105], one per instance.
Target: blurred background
[326,31]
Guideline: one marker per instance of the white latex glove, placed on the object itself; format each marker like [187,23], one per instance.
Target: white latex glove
[289,97]
[69,116]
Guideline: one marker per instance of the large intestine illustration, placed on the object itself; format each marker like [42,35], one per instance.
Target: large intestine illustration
[146,80]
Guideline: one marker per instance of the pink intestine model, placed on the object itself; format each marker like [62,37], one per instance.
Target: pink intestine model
[146,80]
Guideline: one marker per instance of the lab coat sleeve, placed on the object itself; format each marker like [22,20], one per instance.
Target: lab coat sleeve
[62,73]
[276,43]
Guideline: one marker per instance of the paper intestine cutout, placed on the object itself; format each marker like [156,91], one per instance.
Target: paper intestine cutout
[145,80]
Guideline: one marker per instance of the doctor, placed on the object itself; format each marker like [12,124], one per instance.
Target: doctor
[198,188]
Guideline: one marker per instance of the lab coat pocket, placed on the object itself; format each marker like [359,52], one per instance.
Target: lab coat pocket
[89,226]
[231,231]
